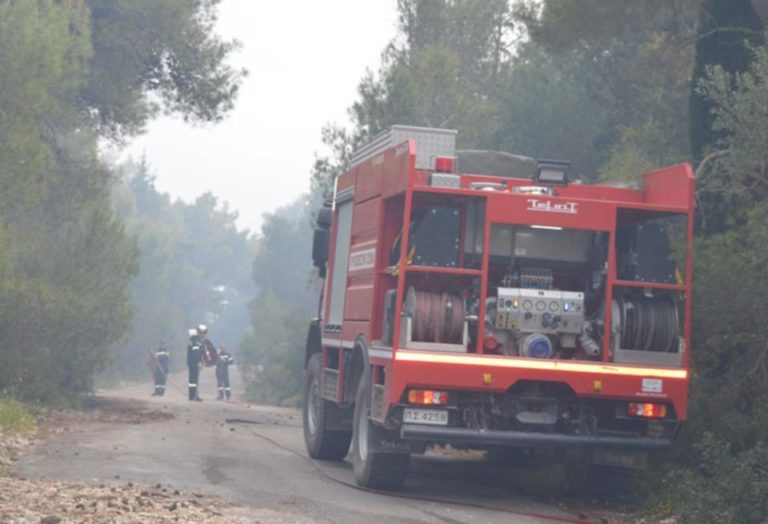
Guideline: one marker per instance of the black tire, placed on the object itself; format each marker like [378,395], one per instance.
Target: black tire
[321,442]
[373,469]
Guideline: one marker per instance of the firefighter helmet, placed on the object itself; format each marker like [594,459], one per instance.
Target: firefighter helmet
[202,329]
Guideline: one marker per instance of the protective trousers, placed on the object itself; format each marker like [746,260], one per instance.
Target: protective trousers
[194,376]
[160,378]
[222,380]
[161,372]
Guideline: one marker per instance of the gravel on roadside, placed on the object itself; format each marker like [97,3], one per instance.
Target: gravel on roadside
[44,501]
[24,501]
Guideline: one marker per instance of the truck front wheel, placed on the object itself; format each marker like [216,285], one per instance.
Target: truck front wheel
[373,469]
[322,443]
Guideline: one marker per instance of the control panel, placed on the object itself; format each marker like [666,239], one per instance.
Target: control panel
[539,310]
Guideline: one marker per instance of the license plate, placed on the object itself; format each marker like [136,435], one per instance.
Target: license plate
[436,417]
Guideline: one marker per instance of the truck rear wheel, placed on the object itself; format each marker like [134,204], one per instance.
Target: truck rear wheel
[321,442]
[373,469]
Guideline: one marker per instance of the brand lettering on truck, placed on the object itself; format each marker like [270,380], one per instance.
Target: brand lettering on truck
[536,204]
[359,260]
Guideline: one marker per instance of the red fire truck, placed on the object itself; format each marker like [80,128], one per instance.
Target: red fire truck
[480,300]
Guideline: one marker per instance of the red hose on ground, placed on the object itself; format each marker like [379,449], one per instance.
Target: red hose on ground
[520,512]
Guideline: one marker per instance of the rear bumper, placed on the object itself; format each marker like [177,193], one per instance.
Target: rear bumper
[497,374]
[521,438]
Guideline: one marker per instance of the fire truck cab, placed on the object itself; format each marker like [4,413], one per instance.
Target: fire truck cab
[479,299]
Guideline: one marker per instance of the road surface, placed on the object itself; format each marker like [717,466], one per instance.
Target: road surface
[262,465]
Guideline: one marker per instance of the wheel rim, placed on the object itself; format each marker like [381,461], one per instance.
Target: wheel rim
[313,406]
[362,433]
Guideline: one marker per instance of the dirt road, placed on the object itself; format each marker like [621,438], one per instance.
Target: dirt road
[262,466]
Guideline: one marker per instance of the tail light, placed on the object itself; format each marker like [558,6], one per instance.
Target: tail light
[646,410]
[428,397]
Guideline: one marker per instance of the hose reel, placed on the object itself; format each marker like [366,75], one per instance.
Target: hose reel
[436,317]
[646,323]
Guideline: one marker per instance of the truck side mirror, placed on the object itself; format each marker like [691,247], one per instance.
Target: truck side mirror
[320,249]
[322,238]
[324,216]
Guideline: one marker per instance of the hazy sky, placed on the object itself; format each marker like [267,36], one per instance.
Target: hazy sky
[305,60]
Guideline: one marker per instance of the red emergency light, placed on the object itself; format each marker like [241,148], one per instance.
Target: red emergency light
[444,164]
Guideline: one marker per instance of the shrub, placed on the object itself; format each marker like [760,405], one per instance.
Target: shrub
[724,487]
[14,417]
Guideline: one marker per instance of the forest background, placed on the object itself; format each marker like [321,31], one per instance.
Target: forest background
[97,266]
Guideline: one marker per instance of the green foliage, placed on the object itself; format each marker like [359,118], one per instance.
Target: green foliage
[194,268]
[272,354]
[65,299]
[740,113]
[726,30]
[15,418]
[326,168]
[546,111]
[66,260]
[590,25]
[444,73]
[722,487]
[74,70]
[731,357]
[43,49]
[632,66]
[283,259]
[151,55]
[445,69]
[602,85]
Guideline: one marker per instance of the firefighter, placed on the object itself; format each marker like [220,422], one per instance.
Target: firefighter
[194,357]
[160,363]
[222,372]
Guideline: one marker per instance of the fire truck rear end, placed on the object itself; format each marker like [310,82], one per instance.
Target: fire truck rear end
[480,300]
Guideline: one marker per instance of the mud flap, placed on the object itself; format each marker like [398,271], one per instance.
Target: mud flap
[388,441]
[337,418]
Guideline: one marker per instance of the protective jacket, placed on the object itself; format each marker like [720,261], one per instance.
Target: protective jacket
[194,350]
